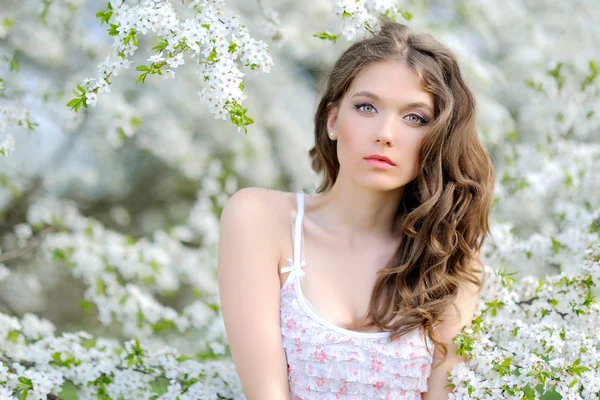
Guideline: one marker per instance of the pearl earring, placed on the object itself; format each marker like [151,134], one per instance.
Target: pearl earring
[331,135]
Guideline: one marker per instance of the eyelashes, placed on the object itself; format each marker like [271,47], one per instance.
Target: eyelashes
[360,105]
[422,119]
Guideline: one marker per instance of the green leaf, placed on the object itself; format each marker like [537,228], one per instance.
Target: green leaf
[536,86]
[504,367]
[76,103]
[577,369]
[465,344]
[326,36]
[88,343]
[31,125]
[141,78]
[163,325]
[73,102]
[104,16]
[513,136]
[162,44]
[556,245]
[594,74]
[568,180]
[555,73]
[238,116]
[24,380]
[142,68]
[136,122]
[14,65]
[113,30]
[212,57]
[213,306]
[13,336]
[86,305]
[101,289]
[406,15]
[8,23]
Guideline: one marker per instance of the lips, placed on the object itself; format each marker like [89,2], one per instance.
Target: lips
[378,163]
[380,158]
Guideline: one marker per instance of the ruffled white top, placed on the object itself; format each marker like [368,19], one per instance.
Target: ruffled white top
[326,361]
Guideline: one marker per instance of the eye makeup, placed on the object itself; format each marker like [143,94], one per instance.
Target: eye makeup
[359,106]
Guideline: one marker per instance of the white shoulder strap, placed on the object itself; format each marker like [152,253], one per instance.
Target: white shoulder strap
[298,228]
[297,263]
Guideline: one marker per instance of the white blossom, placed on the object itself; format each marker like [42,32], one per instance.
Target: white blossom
[130,252]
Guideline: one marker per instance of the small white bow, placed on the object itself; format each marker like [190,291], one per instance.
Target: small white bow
[294,267]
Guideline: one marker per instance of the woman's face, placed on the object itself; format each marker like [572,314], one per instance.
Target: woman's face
[386,112]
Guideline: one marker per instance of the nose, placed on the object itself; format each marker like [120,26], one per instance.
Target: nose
[385,134]
[388,142]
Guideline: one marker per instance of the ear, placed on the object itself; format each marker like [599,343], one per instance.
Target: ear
[332,119]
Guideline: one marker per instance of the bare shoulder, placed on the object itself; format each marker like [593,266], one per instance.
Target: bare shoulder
[259,210]
[258,204]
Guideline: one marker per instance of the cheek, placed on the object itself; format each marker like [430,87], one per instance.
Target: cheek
[415,152]
[409,143]
[416,147]
[351,137]
[348,148]
[408,150]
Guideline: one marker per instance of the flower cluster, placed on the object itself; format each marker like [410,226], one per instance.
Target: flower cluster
[359,18]
[11,117]
[123,275]
[533,338]
[11,114]
[217,43]
[35,363]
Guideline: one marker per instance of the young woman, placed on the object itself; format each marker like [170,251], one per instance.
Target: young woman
[362,297]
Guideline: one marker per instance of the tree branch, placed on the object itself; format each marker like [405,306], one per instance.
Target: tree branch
[31,245]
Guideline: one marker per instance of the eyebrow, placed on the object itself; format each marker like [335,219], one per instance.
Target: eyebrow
[375,97]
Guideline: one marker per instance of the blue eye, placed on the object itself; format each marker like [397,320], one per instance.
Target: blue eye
[420,120]
[361,105]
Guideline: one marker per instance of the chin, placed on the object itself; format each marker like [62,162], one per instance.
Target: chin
[382,185]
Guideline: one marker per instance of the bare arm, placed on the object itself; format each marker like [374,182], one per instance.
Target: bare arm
[249,293]
[466,301]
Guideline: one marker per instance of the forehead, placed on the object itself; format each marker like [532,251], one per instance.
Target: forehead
[391,81]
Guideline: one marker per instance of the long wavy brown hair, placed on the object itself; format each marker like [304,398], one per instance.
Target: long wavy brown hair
[443,217]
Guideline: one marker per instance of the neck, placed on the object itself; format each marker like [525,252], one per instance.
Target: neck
[353,213]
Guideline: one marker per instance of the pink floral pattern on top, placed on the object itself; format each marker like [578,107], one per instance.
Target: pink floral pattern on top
[328,362]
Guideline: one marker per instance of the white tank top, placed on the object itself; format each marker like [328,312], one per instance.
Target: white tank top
[326,361]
